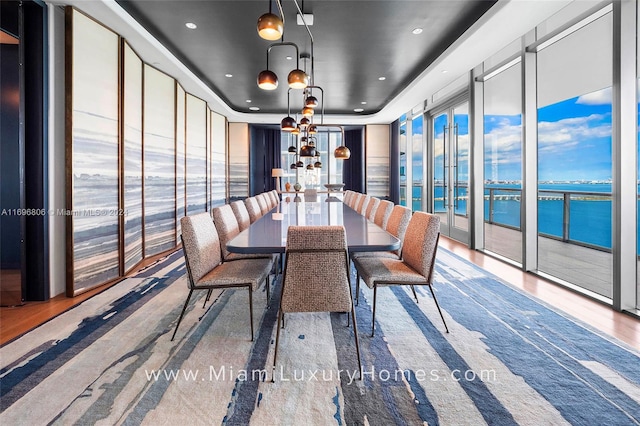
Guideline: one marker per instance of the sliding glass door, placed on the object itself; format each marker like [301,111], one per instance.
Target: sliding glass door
[450,185]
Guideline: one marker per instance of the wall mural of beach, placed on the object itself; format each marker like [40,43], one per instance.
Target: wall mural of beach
[93,210]
[142,155]
[159,161]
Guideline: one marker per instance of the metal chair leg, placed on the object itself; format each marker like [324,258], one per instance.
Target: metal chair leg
[275,352]
[373,317]
[355,333]
[184,308]
[357,287]
[268,290]
[413,289]
[435,299]
[251,310]
[206,299]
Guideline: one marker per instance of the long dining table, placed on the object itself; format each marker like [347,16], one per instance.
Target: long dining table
[269,233]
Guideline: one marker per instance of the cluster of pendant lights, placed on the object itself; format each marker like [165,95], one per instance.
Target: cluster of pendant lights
[271,27]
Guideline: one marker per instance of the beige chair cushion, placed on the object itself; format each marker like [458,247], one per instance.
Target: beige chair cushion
[246,271]
[316,280]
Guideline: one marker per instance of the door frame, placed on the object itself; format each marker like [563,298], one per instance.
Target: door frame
[447,106]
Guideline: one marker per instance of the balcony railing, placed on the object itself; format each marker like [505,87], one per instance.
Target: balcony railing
[556,208]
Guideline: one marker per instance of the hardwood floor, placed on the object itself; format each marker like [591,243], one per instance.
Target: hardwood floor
[16,321]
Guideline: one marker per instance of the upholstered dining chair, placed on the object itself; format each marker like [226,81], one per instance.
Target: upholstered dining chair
[253,208]
[415,267]
[363,203]
[316,276]
[397,226]
[205,269]
[348,197]
[382,213]
[241,213]
[273,199]
[374,202]
[263,202]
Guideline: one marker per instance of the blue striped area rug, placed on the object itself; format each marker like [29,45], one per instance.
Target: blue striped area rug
[509,359]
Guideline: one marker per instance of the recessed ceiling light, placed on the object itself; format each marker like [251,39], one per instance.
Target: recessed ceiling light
[444,71]
[417,31]
[358,110]
[248,101]
[228,75]
[254,108]
[191,25]
[289,58]
[363,103]
[382,78]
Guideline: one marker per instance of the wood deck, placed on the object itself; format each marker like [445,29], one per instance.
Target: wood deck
[585,267]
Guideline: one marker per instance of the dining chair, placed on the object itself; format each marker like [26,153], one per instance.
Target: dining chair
[227,226]
[316,276]
[241,213]
[273,198]
[205,269]
[355,200]
[415,267]
[263,203]
[382,213]
[361,201]
[371,208]
[365,203]
[253,208]
[348,195]
[397,226]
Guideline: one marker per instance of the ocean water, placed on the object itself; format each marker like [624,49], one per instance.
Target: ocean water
[589,215]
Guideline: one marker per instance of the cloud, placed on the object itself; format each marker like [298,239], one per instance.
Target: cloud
[599,97]
[564,134]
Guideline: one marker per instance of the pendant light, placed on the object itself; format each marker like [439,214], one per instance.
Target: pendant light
[297,78]
[271,26]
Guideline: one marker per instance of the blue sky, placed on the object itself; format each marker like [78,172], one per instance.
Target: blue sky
[574,141]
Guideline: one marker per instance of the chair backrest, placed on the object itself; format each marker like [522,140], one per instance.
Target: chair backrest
[316,275]
[263,203]
[363,205]
[398,222]
[355,200]
[227,226]
[348,195]
[371,208]
[253,208]
[273,197]
[200,244]
[382,213]
[421,243]
[241,213]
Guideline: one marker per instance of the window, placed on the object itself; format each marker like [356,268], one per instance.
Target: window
[574,157]
[503,163]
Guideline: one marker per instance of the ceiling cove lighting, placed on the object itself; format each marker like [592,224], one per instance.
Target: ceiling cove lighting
[297,79]
[271,26]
